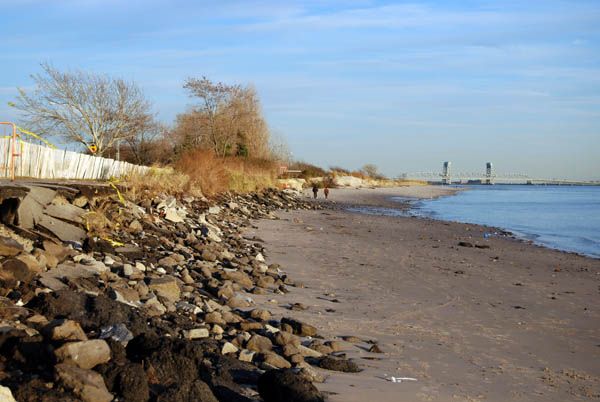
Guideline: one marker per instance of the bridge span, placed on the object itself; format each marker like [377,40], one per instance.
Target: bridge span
[489,176]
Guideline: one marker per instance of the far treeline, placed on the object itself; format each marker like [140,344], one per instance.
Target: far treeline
[221,143]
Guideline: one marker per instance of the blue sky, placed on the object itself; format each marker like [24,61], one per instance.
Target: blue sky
[404,85]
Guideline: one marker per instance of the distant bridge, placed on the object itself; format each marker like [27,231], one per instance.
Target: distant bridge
[489,176]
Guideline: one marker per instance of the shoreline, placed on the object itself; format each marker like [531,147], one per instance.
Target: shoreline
[384,205]
[442,313]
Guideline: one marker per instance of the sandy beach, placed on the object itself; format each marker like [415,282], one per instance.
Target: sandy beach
[503,320]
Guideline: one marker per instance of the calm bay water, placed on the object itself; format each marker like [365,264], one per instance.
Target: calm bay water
[561,217]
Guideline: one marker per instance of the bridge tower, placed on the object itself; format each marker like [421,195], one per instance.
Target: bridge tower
[489,173]
[446,173]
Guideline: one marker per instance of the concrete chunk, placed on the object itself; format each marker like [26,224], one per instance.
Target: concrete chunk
[29,212]
[64,231]
[42,195]
[66,212]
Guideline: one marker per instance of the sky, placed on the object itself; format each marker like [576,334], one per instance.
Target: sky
[403,85]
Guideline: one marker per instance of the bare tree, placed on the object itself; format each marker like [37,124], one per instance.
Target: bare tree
[85,108]
[279,148]
[209,117]
[371,170]
[228,120]
[150,146]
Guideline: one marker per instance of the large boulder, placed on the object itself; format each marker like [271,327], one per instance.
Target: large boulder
[287,386]
[299,327]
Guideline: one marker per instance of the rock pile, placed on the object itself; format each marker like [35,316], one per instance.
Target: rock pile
[153,302]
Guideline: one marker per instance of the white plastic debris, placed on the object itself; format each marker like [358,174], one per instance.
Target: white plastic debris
[118,333]
[398,379]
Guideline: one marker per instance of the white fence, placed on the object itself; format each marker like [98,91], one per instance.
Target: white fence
[37,161]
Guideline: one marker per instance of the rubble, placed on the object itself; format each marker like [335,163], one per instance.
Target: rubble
[150,302]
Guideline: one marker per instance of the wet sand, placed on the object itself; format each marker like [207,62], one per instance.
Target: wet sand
[382,197]
[513,321]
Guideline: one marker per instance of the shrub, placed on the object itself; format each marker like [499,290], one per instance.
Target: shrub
[336,170]
[308,170]
[212,174]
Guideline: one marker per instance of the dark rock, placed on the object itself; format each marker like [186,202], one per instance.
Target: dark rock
[128,381]
[92,312]
[196,390]
[375,349]
[299,327]
[287,386]
[337,364]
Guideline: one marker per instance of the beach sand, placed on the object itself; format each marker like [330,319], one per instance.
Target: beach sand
[512,322]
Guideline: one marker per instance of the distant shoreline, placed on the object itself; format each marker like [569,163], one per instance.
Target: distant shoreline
[382,196]
[381,202]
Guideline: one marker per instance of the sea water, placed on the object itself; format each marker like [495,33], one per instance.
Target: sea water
[561,217]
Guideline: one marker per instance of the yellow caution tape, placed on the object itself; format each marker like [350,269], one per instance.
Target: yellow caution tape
[113,243]
[112,182]
[34,135]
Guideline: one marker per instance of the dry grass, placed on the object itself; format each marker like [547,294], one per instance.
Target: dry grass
[212,174]
[158,180]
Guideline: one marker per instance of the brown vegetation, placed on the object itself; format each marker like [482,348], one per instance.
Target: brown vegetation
[213,174]
[308,171]
[227,120]
[158,180]
[222,143]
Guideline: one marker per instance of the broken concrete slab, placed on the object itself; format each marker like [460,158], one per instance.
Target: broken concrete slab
[64,231]
[66,212]
[52,279]
[42,195]
[29,212]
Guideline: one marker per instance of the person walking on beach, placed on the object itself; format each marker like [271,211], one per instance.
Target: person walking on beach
[326,192]
[315,190]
